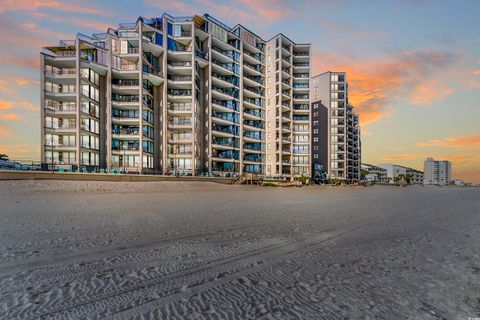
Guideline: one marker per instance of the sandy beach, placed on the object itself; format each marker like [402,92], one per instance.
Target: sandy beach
[199,250]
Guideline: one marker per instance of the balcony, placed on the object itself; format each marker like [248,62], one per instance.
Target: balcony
[256,102]
[301,64]
[300,96]
[256,124]
[228,104]
[301,86]
[301,54]
[301,75]
[256,79]
[227,66]
[126,131]
[125,82]
[225,130]
[125,99]
[176,78]
[127,67]
[253,112]
[230,54]
[63,126]
[180,93]
[226,91]
[256,56]
[180,107]
[258,69]
[252,136]
[227,143]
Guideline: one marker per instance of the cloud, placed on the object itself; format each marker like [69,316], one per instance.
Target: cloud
[10,116]
[5,130]
[461,141]
[414,77]
[5,105]
[429,91]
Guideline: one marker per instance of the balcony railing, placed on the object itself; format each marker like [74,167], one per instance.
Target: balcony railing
[254,112]
[126,82]
[61,107]
[180,107]
[179,78]
[301,54]
[180,63]
[300,96]
[180,122]
[300,86]
[301,75]
[228,91]
[225,104]
[258,102]
[254,123]
[129,131]
[61,126]
[301,107]
[117,98]
[256,56]
[227,53]
[127,67]
[180,92]
[228,66]
[257,79]
[63,71]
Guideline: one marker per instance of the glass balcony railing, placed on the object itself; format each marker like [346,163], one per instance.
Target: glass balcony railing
[180,92]
[130,98]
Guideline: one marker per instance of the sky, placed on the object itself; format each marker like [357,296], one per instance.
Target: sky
[413,66]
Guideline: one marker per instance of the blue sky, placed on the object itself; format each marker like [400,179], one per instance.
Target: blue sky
[413,66]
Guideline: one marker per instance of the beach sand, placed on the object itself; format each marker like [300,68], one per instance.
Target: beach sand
[199,250]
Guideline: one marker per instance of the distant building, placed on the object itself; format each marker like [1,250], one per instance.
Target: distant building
[394,171]
[375,173]
[459,182]
[437,172]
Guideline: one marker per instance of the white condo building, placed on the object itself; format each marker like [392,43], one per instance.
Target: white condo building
[437,172]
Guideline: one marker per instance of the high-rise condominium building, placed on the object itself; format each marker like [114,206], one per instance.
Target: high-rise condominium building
[335,128]
[288,108]
[174,95]
[437,172]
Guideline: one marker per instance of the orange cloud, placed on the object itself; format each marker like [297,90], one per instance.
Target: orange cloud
[10,116]
[462,141]
[428,92]
[5,131]
[5,105]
